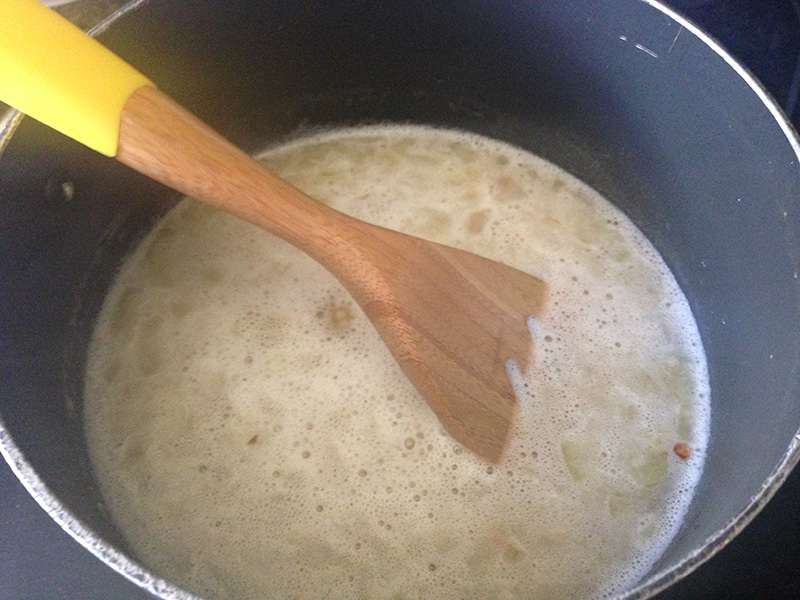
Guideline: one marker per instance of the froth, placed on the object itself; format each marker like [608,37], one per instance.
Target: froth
[253,437]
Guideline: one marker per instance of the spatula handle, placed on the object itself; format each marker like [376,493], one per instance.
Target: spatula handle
[54,72]
[51,70]
[161,139]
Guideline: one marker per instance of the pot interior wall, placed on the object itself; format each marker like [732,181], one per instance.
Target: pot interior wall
[616,92]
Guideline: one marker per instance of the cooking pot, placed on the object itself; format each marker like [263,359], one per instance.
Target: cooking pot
[624,94]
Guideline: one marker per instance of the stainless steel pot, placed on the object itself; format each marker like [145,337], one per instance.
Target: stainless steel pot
[625,94]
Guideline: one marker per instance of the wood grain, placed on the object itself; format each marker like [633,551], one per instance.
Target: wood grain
[451,319]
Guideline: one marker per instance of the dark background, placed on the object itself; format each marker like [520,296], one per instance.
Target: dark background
[39,561]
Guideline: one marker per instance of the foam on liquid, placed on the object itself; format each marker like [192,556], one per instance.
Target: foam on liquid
[253,437]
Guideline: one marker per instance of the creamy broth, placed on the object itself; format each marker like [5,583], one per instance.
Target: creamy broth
[253,438]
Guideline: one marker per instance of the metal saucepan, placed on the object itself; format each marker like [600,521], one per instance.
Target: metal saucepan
[624,94]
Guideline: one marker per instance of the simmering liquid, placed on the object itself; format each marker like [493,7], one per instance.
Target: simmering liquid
[253,437]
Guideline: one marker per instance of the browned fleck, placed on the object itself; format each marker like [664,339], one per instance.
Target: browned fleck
[337,316]
[477,220]
[252,440]
[505,182]
[508,188]
[683,450]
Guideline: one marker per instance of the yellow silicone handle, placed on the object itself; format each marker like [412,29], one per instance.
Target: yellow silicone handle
[54,72]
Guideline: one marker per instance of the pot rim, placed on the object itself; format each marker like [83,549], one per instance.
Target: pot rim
[664,578]
[9,121]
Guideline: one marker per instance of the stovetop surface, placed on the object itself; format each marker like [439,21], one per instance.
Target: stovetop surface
[40,561]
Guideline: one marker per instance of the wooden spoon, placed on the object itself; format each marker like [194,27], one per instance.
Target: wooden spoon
[451,319]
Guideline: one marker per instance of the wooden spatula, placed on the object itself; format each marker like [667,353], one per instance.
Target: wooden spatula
[451,319]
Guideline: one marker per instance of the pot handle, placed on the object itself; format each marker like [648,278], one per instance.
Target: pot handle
[54,72]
